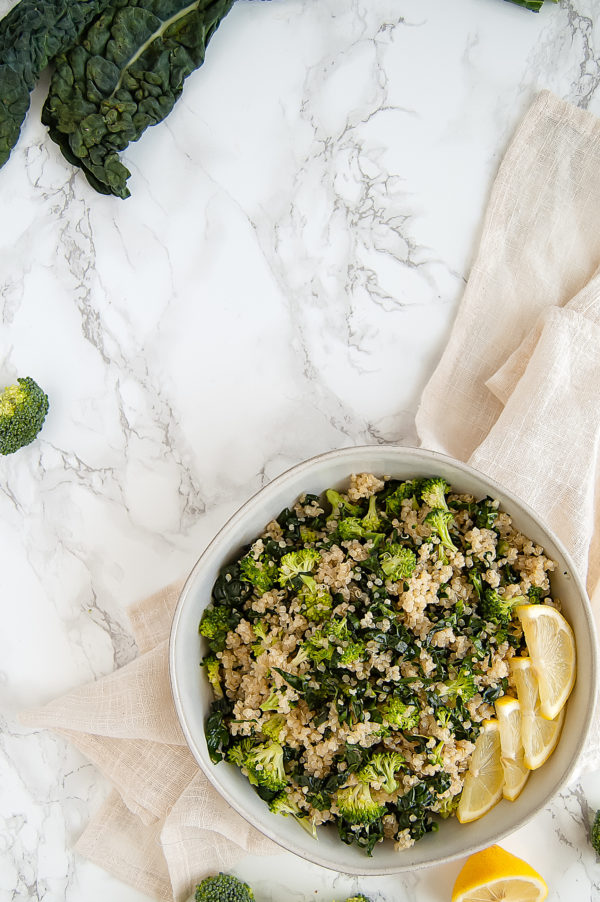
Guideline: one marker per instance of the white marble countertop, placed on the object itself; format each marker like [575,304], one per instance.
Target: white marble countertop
[281,282]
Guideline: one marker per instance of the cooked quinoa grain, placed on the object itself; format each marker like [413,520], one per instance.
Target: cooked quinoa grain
[357,645]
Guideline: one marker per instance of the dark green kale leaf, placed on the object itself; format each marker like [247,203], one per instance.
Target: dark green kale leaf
[123,76]
[230,590]
[215,729]
[30,36]
[364,835]
[533,5]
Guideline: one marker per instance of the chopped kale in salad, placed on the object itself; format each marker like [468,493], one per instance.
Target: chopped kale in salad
[355,648]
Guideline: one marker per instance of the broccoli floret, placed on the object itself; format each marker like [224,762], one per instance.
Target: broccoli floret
[340,505]
[260,631]
[439,521]
[212,669]
[381,769]
[433,493]
[356,804]
[308,535]
[295,563]
[237,754]
[443,717]
[338,629]
[351,528]
[23,409]
[535,594]
[262,573]
[352,652]
[316,600]
[361,527]
[448,806]
[400,715]
[272,702]
[371,520]
[595,833]
[282,804]
[215,623]
[264,764]
[324,641]
[398,562]
[273,727]
[462,685]
[223,888]
[393,503]
[495,608]
[436,755]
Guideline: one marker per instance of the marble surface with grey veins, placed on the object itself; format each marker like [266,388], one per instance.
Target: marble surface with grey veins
[281,282]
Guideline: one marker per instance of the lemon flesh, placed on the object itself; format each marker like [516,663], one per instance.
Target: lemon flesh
[484,780]
[539,735]
[508,712]
[494,874]
[509,889]
[551,646]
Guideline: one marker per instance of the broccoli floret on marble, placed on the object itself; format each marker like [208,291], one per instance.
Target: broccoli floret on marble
[23,409]
[223,888]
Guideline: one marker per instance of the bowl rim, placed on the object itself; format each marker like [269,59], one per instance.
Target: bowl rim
[230,524]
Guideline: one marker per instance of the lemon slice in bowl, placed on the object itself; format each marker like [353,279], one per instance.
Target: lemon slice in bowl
[494,874]
[539,735]
[551,646]
[508,712]
[484,780]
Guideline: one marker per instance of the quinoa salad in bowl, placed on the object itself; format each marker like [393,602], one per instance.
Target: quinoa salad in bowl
[360,655]
[371,661]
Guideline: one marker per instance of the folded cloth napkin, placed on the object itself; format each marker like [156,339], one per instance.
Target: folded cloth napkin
[517,390]
[163,827]
[517,393]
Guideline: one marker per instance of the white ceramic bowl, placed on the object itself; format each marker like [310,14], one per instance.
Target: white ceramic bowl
[192,695]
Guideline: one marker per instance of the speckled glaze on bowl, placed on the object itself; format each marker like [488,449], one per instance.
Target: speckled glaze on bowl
[192,694]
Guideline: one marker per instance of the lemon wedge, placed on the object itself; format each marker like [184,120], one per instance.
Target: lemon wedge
[495,874]
[539,735]
[508,712]
[551,646]
[484,780]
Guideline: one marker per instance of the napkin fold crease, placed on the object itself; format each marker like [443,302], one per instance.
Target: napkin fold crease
[516,394]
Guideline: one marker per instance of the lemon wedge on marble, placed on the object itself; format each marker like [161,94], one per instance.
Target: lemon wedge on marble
[494,874]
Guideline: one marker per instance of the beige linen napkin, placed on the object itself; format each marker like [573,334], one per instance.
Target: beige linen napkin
[517,393]
[163,827]
[517,390]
